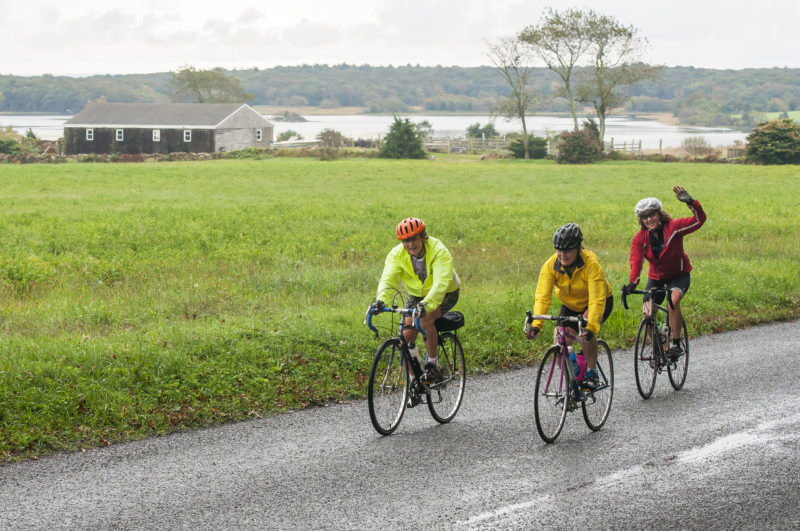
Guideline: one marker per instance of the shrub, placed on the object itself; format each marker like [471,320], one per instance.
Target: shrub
[330,142]
[288,135]
[249,153]
[9,146]
[403,141]
[579,147]
[537,147]
[695,146]
[774,142]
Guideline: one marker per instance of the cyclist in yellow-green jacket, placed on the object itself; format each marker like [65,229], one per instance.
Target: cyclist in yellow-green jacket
[425,267]
[582,288]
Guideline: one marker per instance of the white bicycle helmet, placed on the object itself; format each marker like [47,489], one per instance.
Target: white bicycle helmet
[647,204]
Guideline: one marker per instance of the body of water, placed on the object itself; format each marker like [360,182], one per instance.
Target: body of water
[652,134]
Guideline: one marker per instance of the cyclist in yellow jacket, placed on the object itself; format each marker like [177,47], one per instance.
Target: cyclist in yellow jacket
[425,267]
[582,288]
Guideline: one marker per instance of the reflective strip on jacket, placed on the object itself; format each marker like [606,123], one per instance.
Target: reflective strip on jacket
[586,288]
[441,280]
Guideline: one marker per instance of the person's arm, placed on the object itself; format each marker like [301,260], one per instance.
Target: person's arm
[544,292]
[637,256]
[442,269]
[690,224]
[596,282]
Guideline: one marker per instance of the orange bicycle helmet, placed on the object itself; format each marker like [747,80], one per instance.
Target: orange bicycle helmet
[409,227]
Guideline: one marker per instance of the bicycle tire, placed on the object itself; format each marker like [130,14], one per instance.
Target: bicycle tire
[596,405]
[387,390]
[677,374]
[645,359]
[551,395]
[444,398]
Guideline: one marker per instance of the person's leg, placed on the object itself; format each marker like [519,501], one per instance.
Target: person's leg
[431,336]
[675,314]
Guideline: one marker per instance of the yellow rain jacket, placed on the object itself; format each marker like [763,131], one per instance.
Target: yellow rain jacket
[441,279]
[586,288]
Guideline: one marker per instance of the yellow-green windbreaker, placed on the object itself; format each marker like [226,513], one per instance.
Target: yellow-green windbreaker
[441,279]
[587,287]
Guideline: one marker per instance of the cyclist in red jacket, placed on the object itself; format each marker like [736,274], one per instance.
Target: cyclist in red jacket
[660,241]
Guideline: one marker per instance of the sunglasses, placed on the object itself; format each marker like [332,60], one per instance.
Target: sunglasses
[648,215]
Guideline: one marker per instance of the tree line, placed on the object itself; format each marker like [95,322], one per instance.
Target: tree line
[697,96]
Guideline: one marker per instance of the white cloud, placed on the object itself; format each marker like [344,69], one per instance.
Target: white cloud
[96,36]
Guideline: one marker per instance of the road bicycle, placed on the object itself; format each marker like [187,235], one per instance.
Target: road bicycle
[390,391]
[558,391]
[653,339]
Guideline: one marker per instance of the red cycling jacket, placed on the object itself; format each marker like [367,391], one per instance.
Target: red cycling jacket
[672,261]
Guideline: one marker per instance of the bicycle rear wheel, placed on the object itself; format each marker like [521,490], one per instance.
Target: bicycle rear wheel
[677,370]
[444,397]
[387,391]
[597,404]
[645,359]
[550,398]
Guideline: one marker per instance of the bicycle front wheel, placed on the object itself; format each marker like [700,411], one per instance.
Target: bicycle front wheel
[387,391]
[444,397]
[677,370]
[596,404]
[645,359]
[550,398]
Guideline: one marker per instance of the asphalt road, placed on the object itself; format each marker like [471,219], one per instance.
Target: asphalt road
[723,453]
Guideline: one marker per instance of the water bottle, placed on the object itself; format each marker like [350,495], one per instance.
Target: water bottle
[576,369]
[413,350]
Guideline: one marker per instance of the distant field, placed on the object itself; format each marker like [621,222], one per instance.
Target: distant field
[794,115]
[136,299]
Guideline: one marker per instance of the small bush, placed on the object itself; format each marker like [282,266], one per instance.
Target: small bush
[774,142]
[249,153]
[330,142]
[403,141]
[579,147]
[537,147]
[696,146]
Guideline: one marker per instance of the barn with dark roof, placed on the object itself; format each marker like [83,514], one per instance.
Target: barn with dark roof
[132,128]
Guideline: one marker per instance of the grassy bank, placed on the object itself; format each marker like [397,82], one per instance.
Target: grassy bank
[136,299]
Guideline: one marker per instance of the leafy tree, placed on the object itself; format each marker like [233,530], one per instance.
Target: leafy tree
[476,131]
[615,50]
[560,40]
[513,62]
[424,130]
[403,141]
[579,147]
[330,142]
[774,142]
[207,86]
[537,147]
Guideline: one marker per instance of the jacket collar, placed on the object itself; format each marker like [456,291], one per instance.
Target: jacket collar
[558,268]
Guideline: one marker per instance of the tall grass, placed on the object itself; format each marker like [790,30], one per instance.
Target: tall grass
[139,299]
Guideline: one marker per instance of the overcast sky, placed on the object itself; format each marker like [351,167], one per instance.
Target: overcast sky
[80,37]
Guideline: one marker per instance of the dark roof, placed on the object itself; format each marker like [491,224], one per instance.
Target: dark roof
[196,115]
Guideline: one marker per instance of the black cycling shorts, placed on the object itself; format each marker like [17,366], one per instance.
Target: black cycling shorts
[681,282]
[448,302]
[567,312]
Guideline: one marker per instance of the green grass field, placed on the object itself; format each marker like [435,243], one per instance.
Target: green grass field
[137,299]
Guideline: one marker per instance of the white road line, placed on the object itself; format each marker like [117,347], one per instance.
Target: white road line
[764,432]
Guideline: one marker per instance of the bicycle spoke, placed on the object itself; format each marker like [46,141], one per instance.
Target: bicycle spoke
[597,403]
[444,397]
[387,389]
[550,397]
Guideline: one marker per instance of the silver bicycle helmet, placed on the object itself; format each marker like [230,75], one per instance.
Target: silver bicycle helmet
[646,205]
[568,236]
